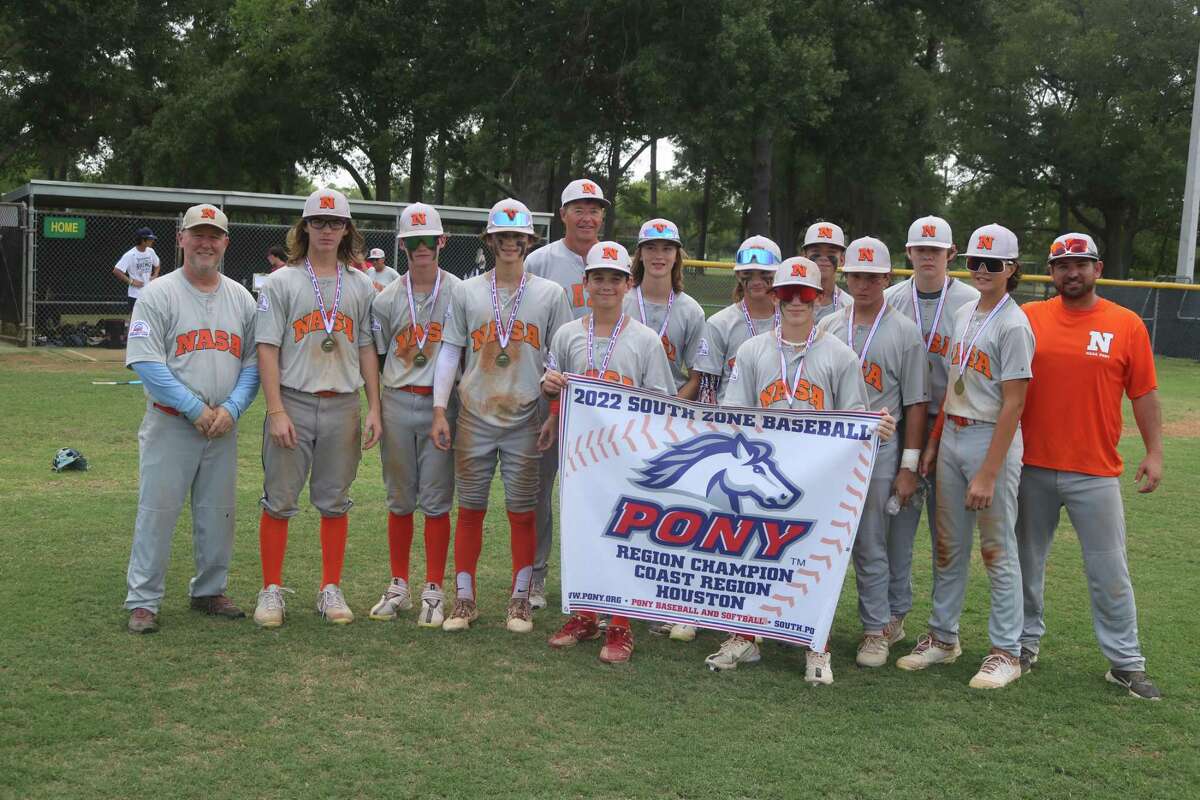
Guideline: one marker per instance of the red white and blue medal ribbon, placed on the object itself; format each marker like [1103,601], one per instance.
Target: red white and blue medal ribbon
[504,333]
[412,308]
[662,331]
[750,322]
[591,343]
[964,357]
[327,320]
[937,315]
[791,389]
[862,357]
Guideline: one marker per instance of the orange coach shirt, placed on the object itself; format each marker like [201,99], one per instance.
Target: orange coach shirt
[1083,363]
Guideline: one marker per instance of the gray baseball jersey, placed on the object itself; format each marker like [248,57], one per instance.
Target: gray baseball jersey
[841,299]
[503,396]
[831,380]
[1003,352]
[937,352]
[290,318]
[396,336]
[204,338]
[637,359]
[384,277]
[723,335]
[138,266]
[894,369]
[685,328]
[557,262]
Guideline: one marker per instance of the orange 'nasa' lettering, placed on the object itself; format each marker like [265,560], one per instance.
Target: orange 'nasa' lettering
[669,348]
[407,338]
[206,339]
[610,376]
[578,298]
[521,332]
[805,393]
[873,375]
[978,361]
[311,323]
[939,344]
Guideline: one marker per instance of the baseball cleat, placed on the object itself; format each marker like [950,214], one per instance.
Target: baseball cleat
[578,628]
[894,630]
[683,633]
[734,650]
[999,669]
[872,650]
[332,606]
[519,618]
[217,605]
[1136,681]
[270,610]
[818,668]
[1029,659]
[143,620]
[537,594]
[929,651]
[618,645]
[394,600]
[432,603]
[660,628]
[465,612]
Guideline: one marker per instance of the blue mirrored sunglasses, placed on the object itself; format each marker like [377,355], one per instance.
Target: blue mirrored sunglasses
[518,219]
[757,255]
[660,233]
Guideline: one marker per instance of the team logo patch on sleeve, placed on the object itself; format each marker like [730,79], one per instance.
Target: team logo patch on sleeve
[263,303]
[139,329]
[702,350]
[733,374]
[375,326]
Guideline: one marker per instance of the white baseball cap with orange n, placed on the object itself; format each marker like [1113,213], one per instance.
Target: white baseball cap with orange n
[327,203]
[583,189]
[205,214]
[868,254]
[608,255]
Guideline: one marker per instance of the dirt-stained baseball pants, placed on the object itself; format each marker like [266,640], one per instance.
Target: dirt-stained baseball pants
[416,474]
[871,543]
[477,448]
[175,458]
[1095,509]
[547,470]
[902,533]
[328,442]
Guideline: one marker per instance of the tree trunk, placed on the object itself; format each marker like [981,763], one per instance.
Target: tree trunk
[759,219]
[654,176]
[439,186]
[1120,226]
[614,179]
[416,165]
[559,181]
[783,204]
[705,205]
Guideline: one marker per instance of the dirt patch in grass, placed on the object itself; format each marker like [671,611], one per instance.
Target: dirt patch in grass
[1183,427]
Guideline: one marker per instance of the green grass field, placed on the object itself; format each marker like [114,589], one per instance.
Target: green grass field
[217,709]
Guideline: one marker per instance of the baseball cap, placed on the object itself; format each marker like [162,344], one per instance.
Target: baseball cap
[1074,245]
[419,219]
[993,241]
[608,255]
[868,254]
[583,189]
[510,215]
[327,203]
[757,252]
[659,230]
[798,271]
[930,232]
[205,214]
[824,233]
[375,253]
[144,233]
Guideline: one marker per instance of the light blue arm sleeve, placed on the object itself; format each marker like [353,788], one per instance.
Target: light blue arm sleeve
[166,389]
[243,393]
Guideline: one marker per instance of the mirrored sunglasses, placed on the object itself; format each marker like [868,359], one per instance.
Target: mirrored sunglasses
[787,294]
[989,264]
[757,255]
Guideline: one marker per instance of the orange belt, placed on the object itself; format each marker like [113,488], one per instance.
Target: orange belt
[167,410]
[421,390]
[961,422]
[326,394]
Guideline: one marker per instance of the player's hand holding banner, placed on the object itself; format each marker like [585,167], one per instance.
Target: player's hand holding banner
[732,519]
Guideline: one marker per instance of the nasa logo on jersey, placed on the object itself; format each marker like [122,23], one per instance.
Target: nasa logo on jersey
[139,329]
[1099,343]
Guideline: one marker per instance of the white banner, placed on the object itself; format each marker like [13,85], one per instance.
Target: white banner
[732,519]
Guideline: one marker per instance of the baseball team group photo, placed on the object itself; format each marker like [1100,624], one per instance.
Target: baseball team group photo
[436,452]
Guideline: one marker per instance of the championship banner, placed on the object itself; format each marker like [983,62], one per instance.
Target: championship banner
[733,519]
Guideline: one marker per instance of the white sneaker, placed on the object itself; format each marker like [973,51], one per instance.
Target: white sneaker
[683,633]
[734,650]
[433,601]
[270,611]
[332,606]
[519,616]
[465,612]
[999,670]
[394,600]
[894,630]
[818,668]
[537,594]
[929,651]
[872,650]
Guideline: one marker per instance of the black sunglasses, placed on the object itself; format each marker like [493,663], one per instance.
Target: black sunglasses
[990,264]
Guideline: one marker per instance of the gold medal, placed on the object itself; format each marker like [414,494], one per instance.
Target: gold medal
[420,359]
[960,385]
[327,344]
[502,360]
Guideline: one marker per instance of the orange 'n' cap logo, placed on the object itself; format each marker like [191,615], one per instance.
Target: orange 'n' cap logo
[866,254]
[588,188]
[985,242]
[418,218]
[799,271]
[824,232]
[658,226]
[609,254]
[208,213]
[928,231]
[327,202]
[511,213]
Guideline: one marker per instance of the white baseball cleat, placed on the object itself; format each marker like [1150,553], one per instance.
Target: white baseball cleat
[683,633]
[394,600]
[270,610]
[465,612]
[999,669]
[734,650]
[929,651]
[894,630]
[537,594]
[433,601]
[519,617]
[872,650]
[332,606]
[818,668]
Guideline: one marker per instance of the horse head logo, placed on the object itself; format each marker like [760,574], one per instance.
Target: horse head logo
[723,470]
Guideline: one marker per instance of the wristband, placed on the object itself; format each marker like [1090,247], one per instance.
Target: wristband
[555,406]
[909,459]
[276,411]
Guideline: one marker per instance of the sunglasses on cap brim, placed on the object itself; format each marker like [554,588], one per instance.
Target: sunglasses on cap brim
[511,219]
[790,292]
[1071,247]
[668,235]
[756,255]
[988,264]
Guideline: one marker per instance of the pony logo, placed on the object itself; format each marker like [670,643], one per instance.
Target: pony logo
[824,232]
[986,242]
[866,255]
[929,231]
[609,254]
[327,201]
[588,188]
[723,470]
[208,213]
[418,218]
[799,271]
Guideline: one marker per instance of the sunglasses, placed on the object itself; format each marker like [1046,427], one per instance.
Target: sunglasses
[989,264]
[788,294]
[1079,246]
[757,255]
[321,223]
[411,243]
[670,234]
[511,219]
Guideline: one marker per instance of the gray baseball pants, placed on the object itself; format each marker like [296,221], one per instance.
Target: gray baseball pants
[902,533]
[328,442]
[477,448]
[415,472]
[870,551]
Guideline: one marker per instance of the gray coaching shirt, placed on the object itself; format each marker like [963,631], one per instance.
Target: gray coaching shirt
[204,338]
[290,319]
[637,359]
[894,369]
[384,277]
[723,335]
[396,337]
[937,353]
[557,262]
[1003,352]
[831,380]
[503,397]
[684,329]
